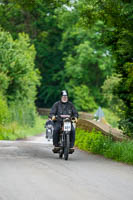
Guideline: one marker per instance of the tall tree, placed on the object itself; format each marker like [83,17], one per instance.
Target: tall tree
[62,48]
[37,18]
[87,61]
[18,77]
[118,34]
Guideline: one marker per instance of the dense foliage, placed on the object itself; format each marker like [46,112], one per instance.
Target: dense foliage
[4,113]
[18,81]
[62,48]
[37,18]
[76,45]
[18,78]
[118,35]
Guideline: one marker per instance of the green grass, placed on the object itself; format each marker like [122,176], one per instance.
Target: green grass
[97,143]
[110,117]
[121,151]
[15,131]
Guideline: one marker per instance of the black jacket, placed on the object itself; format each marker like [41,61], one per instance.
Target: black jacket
[60,108]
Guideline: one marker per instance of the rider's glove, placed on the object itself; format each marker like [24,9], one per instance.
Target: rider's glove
[76,119]
[53,118]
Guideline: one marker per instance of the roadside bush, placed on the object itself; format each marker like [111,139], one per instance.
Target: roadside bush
[80,138]
[127,153]
[18,82]
[97,143]
[9,132]
[14,131]
[126,125]
[93,141]
[121,151]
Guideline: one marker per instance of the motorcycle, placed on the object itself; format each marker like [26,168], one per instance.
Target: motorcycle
[64,140]
[49,130]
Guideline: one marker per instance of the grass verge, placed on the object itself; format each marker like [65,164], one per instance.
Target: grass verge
[111,117]
[97,143]
[14,131]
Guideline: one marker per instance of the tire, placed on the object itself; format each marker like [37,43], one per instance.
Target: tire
[66,148]
[62,149]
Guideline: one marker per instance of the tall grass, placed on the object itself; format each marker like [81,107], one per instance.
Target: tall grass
[111,117]
[19,120]
[23,113]
[97,143]
[14,131]
[121,151]
[4,112]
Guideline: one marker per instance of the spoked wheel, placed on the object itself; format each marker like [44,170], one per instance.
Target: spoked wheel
[66,148]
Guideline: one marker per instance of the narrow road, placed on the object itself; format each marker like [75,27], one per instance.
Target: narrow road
[30,171]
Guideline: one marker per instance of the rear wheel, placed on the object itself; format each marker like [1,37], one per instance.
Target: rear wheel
[66,148]
[61,153]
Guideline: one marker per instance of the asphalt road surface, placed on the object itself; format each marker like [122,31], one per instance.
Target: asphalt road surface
[30,171]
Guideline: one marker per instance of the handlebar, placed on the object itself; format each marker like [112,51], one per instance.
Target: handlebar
[65,116]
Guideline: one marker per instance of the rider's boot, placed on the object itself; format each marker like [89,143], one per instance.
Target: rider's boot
[56,149]
[71,150]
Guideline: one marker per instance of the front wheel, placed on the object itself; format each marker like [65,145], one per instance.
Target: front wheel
[66,147]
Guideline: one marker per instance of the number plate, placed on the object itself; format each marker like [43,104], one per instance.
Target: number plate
[67,126]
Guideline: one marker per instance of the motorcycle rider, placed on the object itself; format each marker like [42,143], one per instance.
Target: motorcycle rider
[62,107]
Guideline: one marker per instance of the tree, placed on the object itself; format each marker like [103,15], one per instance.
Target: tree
[110,96]
[62,47]
[117,17]
[83,99]
[18,77]
[87,62]
[37,18]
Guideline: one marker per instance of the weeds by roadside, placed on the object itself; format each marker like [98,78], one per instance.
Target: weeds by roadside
[15,131]
[97,143]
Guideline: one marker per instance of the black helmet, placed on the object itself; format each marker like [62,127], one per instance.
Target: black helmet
[64,93]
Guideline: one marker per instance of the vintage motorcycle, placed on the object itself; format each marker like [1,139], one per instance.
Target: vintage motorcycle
[64,141]
[49,130]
